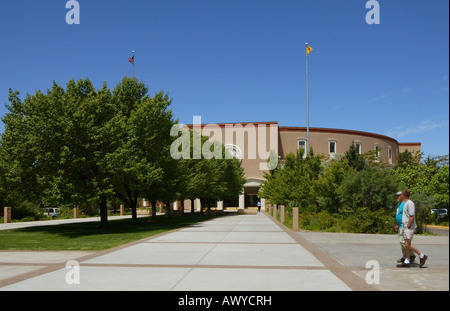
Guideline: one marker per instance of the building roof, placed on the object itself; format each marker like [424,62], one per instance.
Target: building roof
[317,130]
[338,131]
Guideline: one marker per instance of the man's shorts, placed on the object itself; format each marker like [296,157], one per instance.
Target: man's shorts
[408,233]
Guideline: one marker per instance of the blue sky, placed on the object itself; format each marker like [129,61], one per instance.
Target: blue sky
[244,61]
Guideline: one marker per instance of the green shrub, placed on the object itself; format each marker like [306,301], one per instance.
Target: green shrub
[362,220]
[316,221]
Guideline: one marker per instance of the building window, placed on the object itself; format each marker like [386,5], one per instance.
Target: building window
[390,155]
[358,147]
[301,143]
[377,152]
[331,147]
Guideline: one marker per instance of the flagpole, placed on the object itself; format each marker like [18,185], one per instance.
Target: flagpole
[133,64]
[307,103]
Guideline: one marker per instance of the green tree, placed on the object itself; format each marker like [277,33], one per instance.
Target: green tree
[372,187]
[233,176]
[225,177]
[55,144]
[354,158]
[211,176]
[407,159]
[141,145]
[430,177]
[294,182]
[329,183]
[6,193]
[191,178]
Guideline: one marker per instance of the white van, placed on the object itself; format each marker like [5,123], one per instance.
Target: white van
[52,212]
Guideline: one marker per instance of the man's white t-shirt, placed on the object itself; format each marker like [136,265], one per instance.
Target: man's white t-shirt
[409,210]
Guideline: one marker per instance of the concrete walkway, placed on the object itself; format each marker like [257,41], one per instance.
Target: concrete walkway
[232,253]
[355,250]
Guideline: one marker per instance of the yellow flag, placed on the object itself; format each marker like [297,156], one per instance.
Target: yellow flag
[308,50]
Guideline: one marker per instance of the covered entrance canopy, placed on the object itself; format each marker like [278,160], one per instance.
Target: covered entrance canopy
[249,198]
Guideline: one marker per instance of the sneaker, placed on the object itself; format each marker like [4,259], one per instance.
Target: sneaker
[403,265]
[422,261]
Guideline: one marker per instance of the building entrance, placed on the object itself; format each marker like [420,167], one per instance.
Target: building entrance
[251,200]
[251,197]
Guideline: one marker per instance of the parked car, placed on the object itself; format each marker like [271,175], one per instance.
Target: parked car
[439,212]
[51,212]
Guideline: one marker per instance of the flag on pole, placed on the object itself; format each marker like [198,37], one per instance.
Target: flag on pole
[308,50]
[131,59]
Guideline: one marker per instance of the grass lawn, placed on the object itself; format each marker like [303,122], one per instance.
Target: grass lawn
[87,236]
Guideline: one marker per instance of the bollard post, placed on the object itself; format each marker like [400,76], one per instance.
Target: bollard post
[274,211]
[122,210]
[75,212]
[295,219]
[7,215]
[282,214]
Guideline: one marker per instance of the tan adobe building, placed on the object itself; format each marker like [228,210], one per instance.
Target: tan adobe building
[411,147]
[253,142]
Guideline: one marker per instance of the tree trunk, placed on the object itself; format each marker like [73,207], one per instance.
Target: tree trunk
[182,208]
[134,212]
[103,213]
[153,209]
[132,202]
[168,212]
[192,207]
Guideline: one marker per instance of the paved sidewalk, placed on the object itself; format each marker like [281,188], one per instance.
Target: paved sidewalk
[355,250]
[231,253]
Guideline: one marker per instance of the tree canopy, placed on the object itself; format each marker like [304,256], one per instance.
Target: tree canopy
[353,181]
[81,146]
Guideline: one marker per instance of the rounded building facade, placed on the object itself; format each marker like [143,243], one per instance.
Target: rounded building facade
[331,142]
[256,142]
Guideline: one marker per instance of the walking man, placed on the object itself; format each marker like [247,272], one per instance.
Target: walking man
[398,218]
[408,227]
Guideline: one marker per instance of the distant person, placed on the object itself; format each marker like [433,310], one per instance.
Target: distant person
[398,227]
[259,206]
[408,227]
